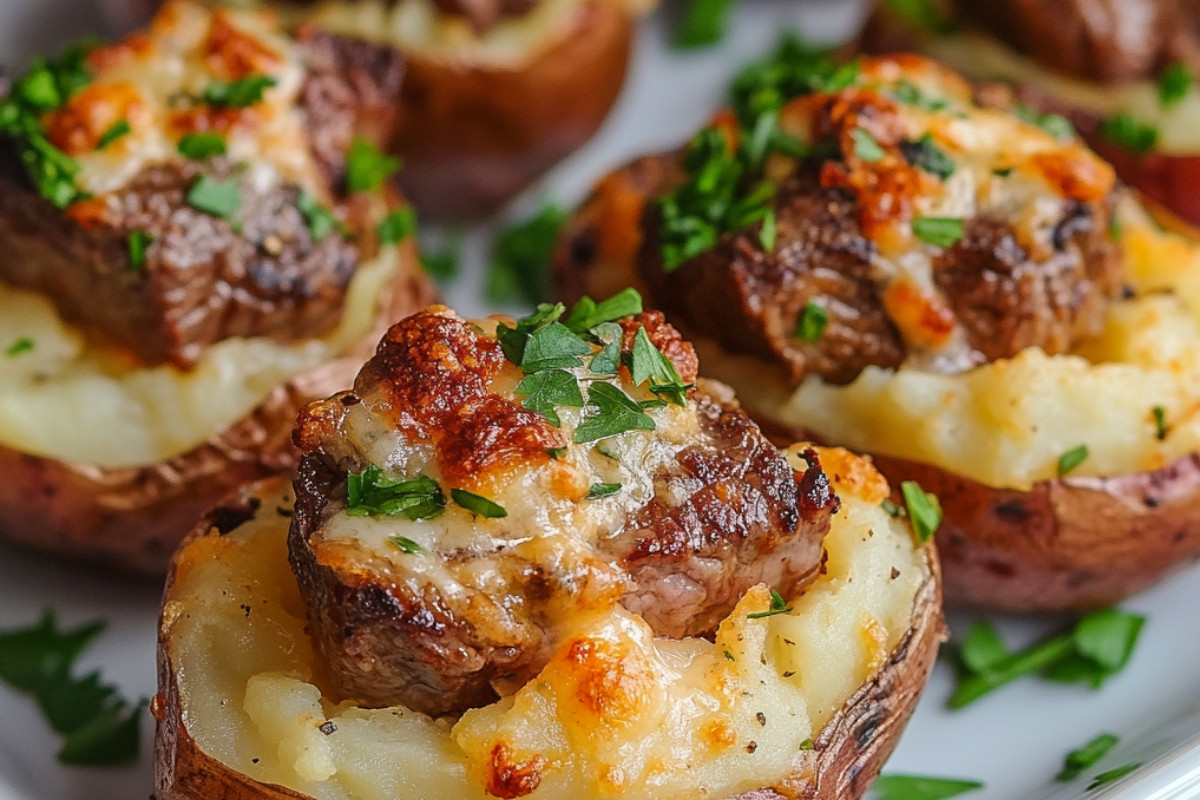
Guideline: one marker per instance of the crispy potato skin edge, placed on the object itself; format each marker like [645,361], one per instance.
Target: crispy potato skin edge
[846,757]
[132,518]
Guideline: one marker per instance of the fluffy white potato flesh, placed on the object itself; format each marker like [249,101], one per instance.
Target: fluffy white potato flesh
[616,711]
[66,397]
[1007,423]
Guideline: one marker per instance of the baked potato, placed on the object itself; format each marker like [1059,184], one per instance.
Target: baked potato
[1022,346]
[158,347]
[494,93]
[721,618]
[1123,73]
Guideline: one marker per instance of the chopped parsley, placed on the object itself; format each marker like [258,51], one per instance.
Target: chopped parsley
[370,493]
[919,787]
[614,413]
[197,146]
[1126,131]
[865,145]
[553,346]
[442,264]
[1056,125]
[941,232]
[1096,648]
[397,226]
[778,606]
[927,16]
[319,219]
[761,88]
[647,364]
[521,255]
[810,326]
[1160,422]
[704,23]
[923,509]
[367,168]
[98,726]
[406,545]
[1088,755]
[587,313]
[599,490]
[1112,775]
[910,94]
[221,198]
[890,508]
[137,243]
[608,361]
[241,93]
[1174,83]
[543,391]
[115,131]
[1072,459]
[926,155]
[477,505]
[21,345]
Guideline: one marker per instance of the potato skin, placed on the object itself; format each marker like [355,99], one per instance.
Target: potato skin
[132,518]
[472,135]
[1067,544]
[847,755]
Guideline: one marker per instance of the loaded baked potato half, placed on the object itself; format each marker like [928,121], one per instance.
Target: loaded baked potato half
[180,274]
[886,265]
[1123,73]
[495,91]
[538,560]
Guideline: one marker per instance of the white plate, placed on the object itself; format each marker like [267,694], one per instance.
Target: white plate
[1013,740]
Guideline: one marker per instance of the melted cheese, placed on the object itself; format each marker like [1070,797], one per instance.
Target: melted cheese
[155,81]
[615,712]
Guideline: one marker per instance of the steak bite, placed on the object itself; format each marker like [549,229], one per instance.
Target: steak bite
[183,186]
[885,219]
[486,486]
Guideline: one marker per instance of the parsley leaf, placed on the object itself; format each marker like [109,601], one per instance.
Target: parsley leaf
[587,313]
[371,493]
[608,360]
[1056,125]
[397,226]
[918,787]
[865,146]
[647,363]
[923,509]
[545,390]
[1113,775]
[615,413]
[21,345]
[911,94]
[477,505]
[812,321]
[219,198]
[241,93]
[1174,83]
[521,255]
[198,146]
[941,232]
[406,545]
[1160,422]
[514,340]
[320,220]
[137,244]
[553,346]
[1072,459]
[704,23]
[115,131]
[599,490]
[367,168]
[1125,130]
[778,606]
[927,16]
[926,155]
[1079,760]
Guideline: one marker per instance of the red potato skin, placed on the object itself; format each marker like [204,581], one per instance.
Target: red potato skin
[847,755]
[132,518]
[472,136]
[1068,544]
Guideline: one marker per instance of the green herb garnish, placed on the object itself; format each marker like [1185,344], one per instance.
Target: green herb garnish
[704,23]
[115,131]
[367,168]
[553,346]
[812,322]
[923,509]
[98,726]
[1072,459]
[319,219]
[137,244]
[911,94]
[982,647]
[587,313]
[599,490]
[1113,775]
[406,545]
[614,413]
[1002,172]
[22,345]
[778,606]
[397,226]
[1088,755]
[1160,422]
[927,16]
[199,146]
[609,336]
[1097,647]
[890,508]
[918,787]
[938,231]
[219,198]
[443,264]
[478,505]
[807,744]
[238,94]
[1056,125]
[926,155]
[1125,130]
[648,364]
[521,255]
[1174,83]
[370,493]
[543,391]
[865,145]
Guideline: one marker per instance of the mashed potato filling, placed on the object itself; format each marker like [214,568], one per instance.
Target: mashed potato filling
[616,712]
[1131,395]
[64,396]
